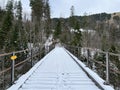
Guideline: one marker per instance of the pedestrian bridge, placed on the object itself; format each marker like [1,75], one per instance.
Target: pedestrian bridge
[60,70]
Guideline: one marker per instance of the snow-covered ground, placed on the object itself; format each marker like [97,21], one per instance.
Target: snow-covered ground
[83,30]
[58,71]
[84,52]
[48,42]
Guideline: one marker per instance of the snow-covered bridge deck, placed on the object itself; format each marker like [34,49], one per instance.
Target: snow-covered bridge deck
[58,70]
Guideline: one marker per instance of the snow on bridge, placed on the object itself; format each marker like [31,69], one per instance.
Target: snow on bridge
[60,70]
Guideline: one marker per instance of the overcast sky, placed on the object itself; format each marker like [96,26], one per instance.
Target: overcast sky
[61,8]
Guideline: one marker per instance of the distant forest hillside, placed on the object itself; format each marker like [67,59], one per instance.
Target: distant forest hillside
[106,26]
[91,20]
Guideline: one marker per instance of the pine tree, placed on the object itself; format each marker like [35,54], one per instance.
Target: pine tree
[6,26]
[72,17]
[47,18]
[2,14]
[77,35]
[76,26]
[14,38]
[19,11]
[57,30]
[37,7]
[19,22]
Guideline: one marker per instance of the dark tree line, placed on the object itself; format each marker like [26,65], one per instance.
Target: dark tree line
[8,32]
[105,29]
[16,30]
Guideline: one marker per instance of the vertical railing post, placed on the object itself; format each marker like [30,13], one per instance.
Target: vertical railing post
[31,57]
[3,63]
[73,50]
[12,70]
[39,53]
[78,52]
[48,49]
[107,68]
[88,53]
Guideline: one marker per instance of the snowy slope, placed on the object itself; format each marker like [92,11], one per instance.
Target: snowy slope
[56,71]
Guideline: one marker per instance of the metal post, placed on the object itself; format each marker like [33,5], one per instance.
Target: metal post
[39,53]
[107,68]
[78,52]
[31,58]
[48,49]
[12,70]
[72,50]
[88,57]
[75,51]
[3,63]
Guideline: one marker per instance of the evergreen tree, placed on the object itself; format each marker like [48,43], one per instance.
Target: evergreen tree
[19,22]
[6,26]
[76,26]
[19,11]
[58,30]
[2,14]
[37,7]
[47,18]
[14,38]
[72,17]
[77,35]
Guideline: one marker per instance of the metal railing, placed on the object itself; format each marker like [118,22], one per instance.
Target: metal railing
[101,62]
[28,57]
[5,72]
[11,70]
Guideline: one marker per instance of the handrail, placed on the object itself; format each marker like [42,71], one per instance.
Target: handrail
[95,49]
[104,52]
[89,59]
[29,53]
[3,71]
[116,71]
[5,54]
